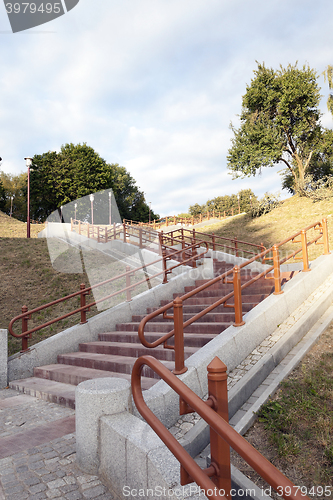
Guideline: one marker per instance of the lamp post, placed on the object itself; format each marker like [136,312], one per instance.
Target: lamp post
[28,162]
[110,194]
[11,205]
[149,210]
[92,208]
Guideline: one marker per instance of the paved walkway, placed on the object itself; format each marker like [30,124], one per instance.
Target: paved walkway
[37,452]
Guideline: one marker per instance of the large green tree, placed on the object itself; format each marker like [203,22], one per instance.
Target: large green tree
[328,75]
[76,171]
[14,186]
[279,122]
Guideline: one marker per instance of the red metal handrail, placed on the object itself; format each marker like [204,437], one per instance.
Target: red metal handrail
[213,237]
[26,314]
[177,304]
[215,412]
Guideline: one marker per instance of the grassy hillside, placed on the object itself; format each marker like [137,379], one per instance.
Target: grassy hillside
[293,214]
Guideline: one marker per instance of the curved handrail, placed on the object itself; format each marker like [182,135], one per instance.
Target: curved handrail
[238,287]
[85,291]
[257,461]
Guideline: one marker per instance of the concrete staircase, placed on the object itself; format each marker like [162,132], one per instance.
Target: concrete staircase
[114,354]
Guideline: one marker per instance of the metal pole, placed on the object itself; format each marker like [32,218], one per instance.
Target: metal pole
[28,207]
[219,449]
[277,276]
[179,336]
[238,297]
[110,208]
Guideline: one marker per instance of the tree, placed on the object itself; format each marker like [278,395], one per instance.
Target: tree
[328,75]
[76,171]
[15,186]
[280,122]
[2,197]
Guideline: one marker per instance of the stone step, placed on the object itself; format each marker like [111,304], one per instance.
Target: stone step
[108,362]
[191,339]
[132,349]
[48,390]
[74,375]
[253,298]
[225,316]
[197,327]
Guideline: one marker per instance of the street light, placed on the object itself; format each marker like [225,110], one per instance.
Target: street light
[110,194]
[28,162]
[11,205]
[92,208]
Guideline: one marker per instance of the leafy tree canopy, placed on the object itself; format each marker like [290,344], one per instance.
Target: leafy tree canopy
[226,202]
[328,75]
[14,186]
[58,178]
[280,122]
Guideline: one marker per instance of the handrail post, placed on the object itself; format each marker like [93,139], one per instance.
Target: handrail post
[194,254]
[238,297]
[160,239]
[213,241]
[165,274]
[219,449]
[124,227]
[128,284]
[97,234]
[305,251]
[192,222]
[25,329]
[83,303]
[179,336]
[277,275]
[114,231]
[174,220]
[236,246]
[140,237]
[325,237]
[88,230]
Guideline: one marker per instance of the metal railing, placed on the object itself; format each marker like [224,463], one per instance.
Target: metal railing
[216,479]
[172,220]
[83,292]
[270,254]
[215,241]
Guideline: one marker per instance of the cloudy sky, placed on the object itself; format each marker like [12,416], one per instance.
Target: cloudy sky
[153,85]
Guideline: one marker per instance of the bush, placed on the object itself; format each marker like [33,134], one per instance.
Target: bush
[265,205]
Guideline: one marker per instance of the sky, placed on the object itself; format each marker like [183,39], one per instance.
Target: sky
[153,86]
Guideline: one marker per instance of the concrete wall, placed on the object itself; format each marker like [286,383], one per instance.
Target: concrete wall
[3,358]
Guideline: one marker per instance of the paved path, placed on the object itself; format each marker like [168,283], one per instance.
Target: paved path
[37,452]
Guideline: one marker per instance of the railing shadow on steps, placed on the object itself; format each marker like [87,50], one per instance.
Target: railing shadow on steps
[84,291]
[270,254]
[215,481]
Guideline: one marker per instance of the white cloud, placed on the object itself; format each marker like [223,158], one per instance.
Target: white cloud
[153,85]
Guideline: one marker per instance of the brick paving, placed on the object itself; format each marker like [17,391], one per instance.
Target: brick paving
[37,452]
